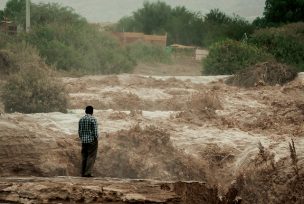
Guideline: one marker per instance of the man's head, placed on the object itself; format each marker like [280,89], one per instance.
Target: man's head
[89,110]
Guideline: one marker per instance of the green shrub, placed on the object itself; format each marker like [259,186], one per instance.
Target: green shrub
[80,47]
[286,43]
[228,57]
[33,89]
[147,52]
[4,39]
[83,49]
[6,64]
[15,55]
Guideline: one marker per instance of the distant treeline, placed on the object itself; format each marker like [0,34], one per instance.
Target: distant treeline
[183,26]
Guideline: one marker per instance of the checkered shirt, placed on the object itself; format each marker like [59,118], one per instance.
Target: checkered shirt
[87,129]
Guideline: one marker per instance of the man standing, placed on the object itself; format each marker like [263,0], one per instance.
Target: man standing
[88,134]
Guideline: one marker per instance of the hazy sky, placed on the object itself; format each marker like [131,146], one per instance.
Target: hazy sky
[113,10]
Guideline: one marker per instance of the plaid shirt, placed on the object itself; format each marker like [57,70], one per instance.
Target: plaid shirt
[87,129]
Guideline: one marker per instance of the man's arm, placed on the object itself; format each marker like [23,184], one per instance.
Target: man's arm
[79,128]
[95,128]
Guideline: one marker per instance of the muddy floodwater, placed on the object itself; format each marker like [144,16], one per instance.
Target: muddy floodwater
[163,128]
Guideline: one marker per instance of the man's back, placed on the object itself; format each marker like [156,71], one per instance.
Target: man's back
[88,130]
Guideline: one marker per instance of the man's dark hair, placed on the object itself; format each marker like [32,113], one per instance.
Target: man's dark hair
[89,110]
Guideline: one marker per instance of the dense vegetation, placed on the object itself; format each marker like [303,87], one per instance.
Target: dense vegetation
[80,48]
[286,43]
[68,41]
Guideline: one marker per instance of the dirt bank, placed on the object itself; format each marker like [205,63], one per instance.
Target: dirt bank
[77,190]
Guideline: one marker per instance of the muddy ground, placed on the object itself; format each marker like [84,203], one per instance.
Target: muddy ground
[170,128]
[77,190]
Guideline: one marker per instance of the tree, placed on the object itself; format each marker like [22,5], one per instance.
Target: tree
[219,26]
[184,27]
[15,10]
[217,16]
[153,17]
[41,13]
[127,23]
[55,13]
[284,11]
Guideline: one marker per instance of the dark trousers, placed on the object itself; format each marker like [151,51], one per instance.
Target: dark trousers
[88,152]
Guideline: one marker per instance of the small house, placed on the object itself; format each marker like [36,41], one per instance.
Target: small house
[8,27]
